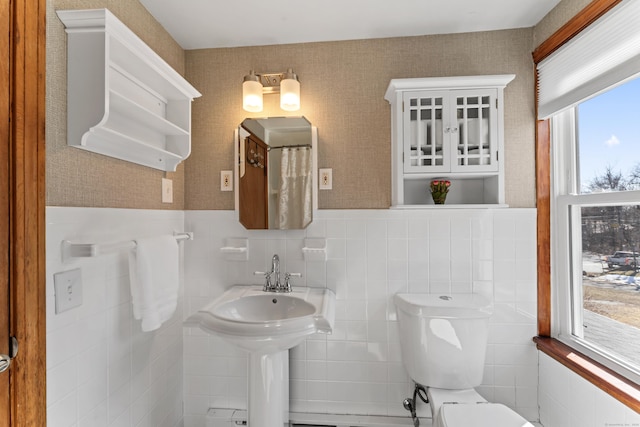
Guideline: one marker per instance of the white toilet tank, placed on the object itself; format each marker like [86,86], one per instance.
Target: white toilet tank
[443,338]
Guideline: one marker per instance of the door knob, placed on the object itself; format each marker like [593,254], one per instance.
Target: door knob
[5,360]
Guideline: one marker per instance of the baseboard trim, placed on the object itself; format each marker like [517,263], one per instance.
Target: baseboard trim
[237,417]
[339,420]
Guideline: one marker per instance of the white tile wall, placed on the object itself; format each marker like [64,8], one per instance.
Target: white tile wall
[568,400]
[372,254]
[101,369]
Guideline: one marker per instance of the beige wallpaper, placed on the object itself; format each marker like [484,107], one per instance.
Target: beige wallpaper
[343,85]
[79,178]
[342,91]
[563,12]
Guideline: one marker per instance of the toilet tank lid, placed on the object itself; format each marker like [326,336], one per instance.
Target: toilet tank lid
[467,306]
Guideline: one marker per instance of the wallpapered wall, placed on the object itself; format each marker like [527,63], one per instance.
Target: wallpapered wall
[342,90]
[563,12]
[342,93]
[77,177]
[343,85]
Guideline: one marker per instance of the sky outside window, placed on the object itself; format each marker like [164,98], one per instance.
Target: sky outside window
[609,132]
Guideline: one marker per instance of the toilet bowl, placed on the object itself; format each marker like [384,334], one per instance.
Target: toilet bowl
[443,341]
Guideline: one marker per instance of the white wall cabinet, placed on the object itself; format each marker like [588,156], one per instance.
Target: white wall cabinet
[447,128]
[123,100]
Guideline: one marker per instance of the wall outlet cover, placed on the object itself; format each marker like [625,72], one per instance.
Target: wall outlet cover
[325,181]
[226,180]
[68,290]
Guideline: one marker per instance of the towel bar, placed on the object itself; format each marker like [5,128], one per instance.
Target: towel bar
[82,250]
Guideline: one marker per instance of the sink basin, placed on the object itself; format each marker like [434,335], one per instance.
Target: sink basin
[263,308]
[267,322]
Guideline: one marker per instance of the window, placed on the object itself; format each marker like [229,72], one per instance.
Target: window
[596,227]
[615,57]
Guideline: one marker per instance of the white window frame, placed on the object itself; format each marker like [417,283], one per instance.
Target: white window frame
[566,241]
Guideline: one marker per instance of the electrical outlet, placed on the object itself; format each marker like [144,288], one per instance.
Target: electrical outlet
[326,179]
[167,190]
[68,290]
[226,180]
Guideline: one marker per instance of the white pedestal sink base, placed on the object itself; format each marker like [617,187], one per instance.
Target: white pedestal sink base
[267,325]
[268,384]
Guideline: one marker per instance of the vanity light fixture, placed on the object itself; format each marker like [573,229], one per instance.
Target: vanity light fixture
[257,84]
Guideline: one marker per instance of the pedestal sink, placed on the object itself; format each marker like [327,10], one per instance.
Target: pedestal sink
[267,324]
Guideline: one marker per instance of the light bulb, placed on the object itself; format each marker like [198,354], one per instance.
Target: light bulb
[252,93]
[290,92]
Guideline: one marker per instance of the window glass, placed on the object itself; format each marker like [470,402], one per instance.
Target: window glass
[609,140]
[604,234]
[610,284]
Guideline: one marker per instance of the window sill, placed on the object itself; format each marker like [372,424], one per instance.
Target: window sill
[602,377]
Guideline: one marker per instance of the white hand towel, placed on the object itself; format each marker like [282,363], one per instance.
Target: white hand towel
[154,279]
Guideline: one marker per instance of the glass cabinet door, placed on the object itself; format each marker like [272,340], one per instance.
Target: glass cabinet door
[425,147]
[475,132]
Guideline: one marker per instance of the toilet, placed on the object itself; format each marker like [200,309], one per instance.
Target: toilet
[443,341]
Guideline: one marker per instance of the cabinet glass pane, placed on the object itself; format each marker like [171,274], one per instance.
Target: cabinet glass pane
[425,131]
[473,136]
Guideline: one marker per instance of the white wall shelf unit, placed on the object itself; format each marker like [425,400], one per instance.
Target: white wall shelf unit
[448,128]
[123,100]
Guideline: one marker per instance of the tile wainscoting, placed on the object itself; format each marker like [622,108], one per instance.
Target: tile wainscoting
[101,369]
[568,400]
[371,255]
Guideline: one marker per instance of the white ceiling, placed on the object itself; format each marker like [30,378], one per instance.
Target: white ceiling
[197,24]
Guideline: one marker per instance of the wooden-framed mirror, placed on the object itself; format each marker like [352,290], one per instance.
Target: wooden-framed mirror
[276,173]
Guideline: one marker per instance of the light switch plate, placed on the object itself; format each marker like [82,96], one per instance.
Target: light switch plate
[68,290]
[167,190]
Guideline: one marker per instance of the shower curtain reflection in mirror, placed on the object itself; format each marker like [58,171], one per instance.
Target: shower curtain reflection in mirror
[295,188]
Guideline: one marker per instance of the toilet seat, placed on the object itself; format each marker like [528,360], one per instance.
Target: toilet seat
[440,396]
[479,415]
[466,408]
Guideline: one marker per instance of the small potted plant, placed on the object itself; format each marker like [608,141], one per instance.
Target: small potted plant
[439,189]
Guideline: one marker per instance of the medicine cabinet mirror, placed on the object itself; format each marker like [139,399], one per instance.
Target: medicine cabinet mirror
[276,173]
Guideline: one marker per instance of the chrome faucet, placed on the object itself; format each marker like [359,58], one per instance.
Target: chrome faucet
[272,278]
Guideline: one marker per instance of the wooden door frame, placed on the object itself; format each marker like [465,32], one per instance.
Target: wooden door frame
[26,199]
[5,90]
